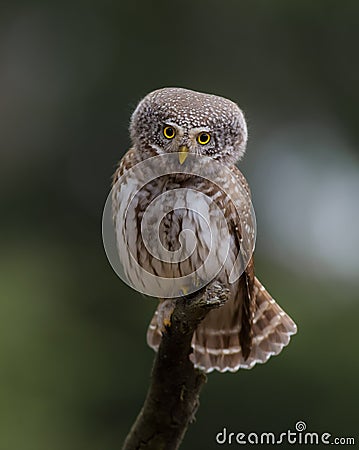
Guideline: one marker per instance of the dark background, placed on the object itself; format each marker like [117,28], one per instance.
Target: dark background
[74,365]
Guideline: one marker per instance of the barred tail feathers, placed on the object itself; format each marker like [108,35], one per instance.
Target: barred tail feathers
[216,342]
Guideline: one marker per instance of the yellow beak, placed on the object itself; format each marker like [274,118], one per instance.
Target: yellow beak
[183,153]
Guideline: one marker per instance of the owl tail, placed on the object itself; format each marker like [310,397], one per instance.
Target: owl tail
[216,342]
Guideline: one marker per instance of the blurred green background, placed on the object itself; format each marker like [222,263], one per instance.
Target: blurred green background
[74,365]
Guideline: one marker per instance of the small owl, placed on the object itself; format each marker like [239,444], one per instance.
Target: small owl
[250,326]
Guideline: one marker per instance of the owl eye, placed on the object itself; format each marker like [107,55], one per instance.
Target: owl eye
[203,138]
[169,132]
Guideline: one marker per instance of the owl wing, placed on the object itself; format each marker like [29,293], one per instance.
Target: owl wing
[248,329]
[243,295]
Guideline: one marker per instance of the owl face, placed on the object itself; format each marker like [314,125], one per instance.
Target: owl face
[179,120]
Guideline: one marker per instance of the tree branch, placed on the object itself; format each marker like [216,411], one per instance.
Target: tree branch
[173,396]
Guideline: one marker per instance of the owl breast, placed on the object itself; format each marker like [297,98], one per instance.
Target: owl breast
[174,234]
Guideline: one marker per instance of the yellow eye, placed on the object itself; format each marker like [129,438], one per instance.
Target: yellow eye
[203,138]
[169,132]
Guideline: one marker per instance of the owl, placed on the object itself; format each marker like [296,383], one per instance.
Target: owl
[250,326]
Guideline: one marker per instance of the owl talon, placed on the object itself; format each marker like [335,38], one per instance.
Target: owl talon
[216,295]
[184,291]
[164,315]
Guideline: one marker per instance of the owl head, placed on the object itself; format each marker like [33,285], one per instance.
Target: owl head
[180,120]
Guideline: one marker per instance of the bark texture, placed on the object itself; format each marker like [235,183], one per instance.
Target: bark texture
[173,396]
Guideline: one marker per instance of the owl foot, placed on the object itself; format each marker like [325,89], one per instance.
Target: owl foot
[165,312]
[216,295]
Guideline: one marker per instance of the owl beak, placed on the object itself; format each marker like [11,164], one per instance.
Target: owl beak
[183,153]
